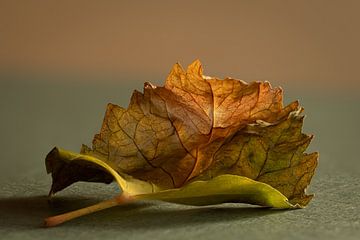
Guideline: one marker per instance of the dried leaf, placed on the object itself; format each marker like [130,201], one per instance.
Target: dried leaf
[196,128]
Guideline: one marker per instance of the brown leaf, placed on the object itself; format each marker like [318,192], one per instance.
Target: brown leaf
[198,127]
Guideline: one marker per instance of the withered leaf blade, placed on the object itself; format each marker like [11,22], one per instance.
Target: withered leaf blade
[198,128]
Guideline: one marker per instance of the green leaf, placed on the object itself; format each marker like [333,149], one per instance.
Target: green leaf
[59,161]
[222,189]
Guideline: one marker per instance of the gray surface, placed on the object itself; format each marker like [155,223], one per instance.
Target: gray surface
[35,116]
[334,214]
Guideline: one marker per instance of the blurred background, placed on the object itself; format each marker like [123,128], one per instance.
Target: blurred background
[61,62]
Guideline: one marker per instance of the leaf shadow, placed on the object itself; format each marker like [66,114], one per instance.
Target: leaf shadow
[164,215]
[29,212]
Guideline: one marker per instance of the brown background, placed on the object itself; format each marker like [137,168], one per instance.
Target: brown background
[307,44]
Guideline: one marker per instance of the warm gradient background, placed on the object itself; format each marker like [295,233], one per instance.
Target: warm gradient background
[297,43]
[61,62]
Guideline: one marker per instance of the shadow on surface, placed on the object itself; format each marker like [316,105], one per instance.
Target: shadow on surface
[174,216]
[29,212]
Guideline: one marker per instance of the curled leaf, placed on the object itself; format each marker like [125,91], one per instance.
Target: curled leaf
[197,131]
[66,165]
[222,189]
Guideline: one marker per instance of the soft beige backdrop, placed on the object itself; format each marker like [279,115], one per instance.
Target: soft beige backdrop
[303,43]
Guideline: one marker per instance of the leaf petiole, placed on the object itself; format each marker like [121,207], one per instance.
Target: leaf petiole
[59,219]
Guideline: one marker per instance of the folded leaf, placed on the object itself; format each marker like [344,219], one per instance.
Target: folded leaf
[65,166]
